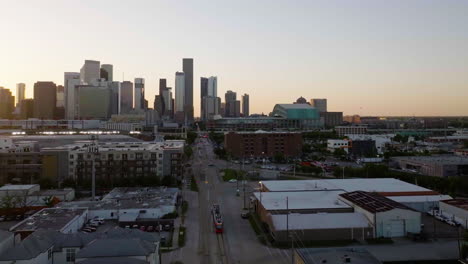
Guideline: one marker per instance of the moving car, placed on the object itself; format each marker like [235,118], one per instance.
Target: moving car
[245,214]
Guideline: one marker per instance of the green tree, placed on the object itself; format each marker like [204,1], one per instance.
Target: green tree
[191,137]
[278,157]
[306,148]
[339,153]
[465,144]
[188,151]
[49,201]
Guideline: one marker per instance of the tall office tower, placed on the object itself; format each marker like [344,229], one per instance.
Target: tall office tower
[232,104]
[45,97]
[94,102]
[20,92]
[7,103]
[114,97]
[71,80]
[162,85]
[126,97]
[203,93]
[222,109]
[245,105]
[187,68]
[139,94]
[211,107]
[319,104]
[107,72]
[213,86]
[27,109]
[90,71]
[60,96]
[167,97]
[179,92]
[159,105]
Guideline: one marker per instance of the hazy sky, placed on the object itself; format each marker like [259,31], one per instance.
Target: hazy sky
[367,57]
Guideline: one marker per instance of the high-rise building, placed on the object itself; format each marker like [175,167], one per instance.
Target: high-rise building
[319,104]
[7,103]
[245,105]
[167,96]
[71,80]
[114,99]
[94,102]
[107,72]
[20,92]
[45,97]
[162,85]
[213,86]
[27,109]
[126,97]
[139,94]
[179,92]
[232,107]
[60,96]
[187,68]
[203,93]
[90,71]
[211,107]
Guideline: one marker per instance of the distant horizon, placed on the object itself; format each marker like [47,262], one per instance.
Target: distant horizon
[377,58]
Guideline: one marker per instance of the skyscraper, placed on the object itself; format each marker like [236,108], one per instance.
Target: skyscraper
[71,80]
[232,107]
[203,93]
[179,92]
[7,103]
[167,96]
[107,72]
[60,97]
[90,71]
[45,97]
[139,94]
[20,92]
[162,85]
[211,107]
[126,97]
[213,86]
[187,68]
[245,105]
[319,104]
[114,97]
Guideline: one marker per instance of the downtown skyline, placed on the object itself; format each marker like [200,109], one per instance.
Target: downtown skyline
[336,51]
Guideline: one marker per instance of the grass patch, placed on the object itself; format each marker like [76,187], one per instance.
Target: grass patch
[379,240]
[193,185]
[230,174]
[182,232]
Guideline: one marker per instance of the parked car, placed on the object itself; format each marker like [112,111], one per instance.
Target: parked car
[2,218]
[232,180]
[19,217]
[167,227]
[245,214]
[93,229]
[87,230]
[93,224]
[150,229]
[142,228]
[127,226]
[135,226]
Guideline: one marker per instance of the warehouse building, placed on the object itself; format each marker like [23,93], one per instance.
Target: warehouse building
[389,218]
[457,209]
[334,255]
[413,196]
[440,166]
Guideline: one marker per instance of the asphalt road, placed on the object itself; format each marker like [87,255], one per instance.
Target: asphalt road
[238,243]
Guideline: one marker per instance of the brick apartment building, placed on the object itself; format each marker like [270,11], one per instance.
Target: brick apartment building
[263,144]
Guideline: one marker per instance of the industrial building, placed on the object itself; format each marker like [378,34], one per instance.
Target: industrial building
[20,162]
[31,195]
[389,218]
[456,209]
[334,255]
[350,130]
[59,219]
[440,166]
[413,196]
[263,144]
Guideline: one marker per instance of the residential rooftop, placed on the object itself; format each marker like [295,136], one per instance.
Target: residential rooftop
[301,200]
[82,146]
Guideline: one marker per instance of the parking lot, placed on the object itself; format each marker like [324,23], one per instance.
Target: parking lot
[437,229]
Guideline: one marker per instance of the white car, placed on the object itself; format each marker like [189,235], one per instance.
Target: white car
[232,180]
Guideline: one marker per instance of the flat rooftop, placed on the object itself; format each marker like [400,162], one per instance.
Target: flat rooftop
[443,160]
[49,219]
[320,221]
[82,146]
[17,187]
[301,200]
[373,202]
[460,203]
[336,255]
[381,185]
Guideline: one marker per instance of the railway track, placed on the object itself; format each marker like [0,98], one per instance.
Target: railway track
[222,249]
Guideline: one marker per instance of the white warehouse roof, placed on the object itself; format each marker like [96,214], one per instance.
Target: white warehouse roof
[320,221]
[300,200]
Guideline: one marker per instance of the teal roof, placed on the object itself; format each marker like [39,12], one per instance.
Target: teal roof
[296,111]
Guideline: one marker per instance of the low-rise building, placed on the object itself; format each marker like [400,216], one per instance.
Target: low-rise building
[20,161]
[457,209]
[334,255]
[440,166]
[59,219]
[389,218]
[381,140]
[334,144]
[332,119]
[31,195]
[263,144]
[350,130]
